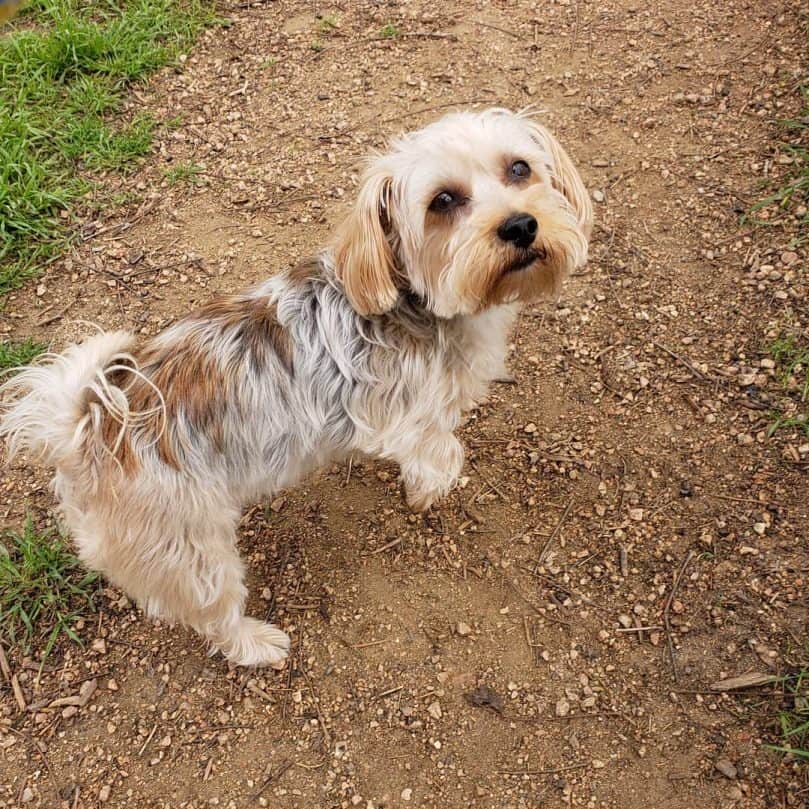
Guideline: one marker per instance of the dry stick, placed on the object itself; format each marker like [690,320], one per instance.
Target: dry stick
[316,700]
[552,537]
[666,609]
[148,739]
[498,28]
[4,666]
[639,628]
[487,480]
[460,103]
[12,680]
[370,643]
[680,359]
[543,772]
[759,503]
[28,740]
[387,693]
[273,777]
[392,544]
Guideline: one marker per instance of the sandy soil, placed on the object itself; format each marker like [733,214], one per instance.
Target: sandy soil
[633,442]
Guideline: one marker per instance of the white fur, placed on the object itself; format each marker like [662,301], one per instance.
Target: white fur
[378,346]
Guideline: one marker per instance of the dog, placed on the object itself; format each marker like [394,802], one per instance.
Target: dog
[376,346]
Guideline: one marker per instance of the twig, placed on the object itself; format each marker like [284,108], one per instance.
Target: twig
[552,537]
[274,776]
[543,772]
[416,35]
[392,544]
[316,700]
[666,609]
[569,718]
[41,752]
[498,28]
[46,321]
[487,480]
[370,643]
[638,628]
[680,359]
[759,503]
[434,107]
[18,694]
[4,666]
[148,739]
[623,561]
[387,693]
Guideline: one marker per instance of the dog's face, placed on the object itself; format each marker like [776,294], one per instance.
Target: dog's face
[474,210]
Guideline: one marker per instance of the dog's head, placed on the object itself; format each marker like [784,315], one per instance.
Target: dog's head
[471,211]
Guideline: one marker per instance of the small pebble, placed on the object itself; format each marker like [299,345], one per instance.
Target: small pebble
[726,768]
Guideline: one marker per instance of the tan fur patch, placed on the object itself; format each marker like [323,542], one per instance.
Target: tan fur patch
[304,270]
[192,382]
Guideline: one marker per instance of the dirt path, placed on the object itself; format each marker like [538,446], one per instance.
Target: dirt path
[633,441]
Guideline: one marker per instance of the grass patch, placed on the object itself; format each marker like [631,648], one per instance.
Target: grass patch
[14,354]
[794,720]
[791,356]
[43,589]
[389,31]
[790,195]
[64,66]
[183,173]
[328,23]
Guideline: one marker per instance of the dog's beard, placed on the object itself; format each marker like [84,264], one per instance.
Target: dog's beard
[479,270]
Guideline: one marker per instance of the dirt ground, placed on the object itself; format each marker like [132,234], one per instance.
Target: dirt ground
[626,480]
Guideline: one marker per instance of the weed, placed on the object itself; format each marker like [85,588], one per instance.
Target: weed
[389,31]
[14,354]
[327,23]
[43,589]
[794,720]
[183,173]
[60,81]
[791,197]
[791,358]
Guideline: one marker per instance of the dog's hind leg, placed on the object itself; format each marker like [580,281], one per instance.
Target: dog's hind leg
[187,568]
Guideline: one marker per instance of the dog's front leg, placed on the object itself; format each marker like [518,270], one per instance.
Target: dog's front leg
[430,467]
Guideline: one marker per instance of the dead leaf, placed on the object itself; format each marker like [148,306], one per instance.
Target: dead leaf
[743,681]
[484,697]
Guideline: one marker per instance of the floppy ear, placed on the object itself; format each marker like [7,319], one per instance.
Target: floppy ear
[364,259]
[565,177]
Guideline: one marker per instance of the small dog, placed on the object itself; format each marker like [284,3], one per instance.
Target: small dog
[376,346]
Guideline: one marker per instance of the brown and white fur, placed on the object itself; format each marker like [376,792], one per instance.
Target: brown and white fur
[376,346]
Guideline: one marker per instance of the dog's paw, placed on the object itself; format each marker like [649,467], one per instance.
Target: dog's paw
[257,643]
[420,500]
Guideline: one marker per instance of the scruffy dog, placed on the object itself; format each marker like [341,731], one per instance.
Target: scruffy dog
[376,346]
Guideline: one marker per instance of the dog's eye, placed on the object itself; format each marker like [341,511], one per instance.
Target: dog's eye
[520,170]
[444,201]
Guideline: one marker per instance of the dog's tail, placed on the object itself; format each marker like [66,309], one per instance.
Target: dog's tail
[46,409]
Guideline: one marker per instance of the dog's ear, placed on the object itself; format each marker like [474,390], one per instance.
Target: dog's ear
[564,176]
[364,259]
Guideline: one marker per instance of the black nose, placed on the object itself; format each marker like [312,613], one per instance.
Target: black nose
[520,228]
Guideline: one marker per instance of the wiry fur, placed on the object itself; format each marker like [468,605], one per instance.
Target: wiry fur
[377,346]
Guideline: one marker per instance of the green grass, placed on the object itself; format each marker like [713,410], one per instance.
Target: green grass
[43,589]
[791,357]
[794,720]
[327,23]
[389,31]
[183,173]
[64,67]
[791,193]
[13,354]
